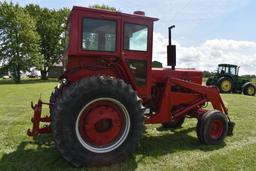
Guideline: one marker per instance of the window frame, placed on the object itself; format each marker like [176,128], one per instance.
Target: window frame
[67,30]
[99,51]
[67,42]
[124,37]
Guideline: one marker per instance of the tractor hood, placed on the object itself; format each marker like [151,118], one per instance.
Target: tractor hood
[191,75]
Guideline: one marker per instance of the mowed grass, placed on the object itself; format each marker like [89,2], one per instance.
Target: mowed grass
[160,149]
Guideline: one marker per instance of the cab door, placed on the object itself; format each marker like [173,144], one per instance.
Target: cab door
[137,51]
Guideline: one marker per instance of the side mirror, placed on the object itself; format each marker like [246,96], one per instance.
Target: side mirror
[171,56]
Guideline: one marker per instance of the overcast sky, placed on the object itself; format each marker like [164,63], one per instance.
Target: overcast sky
[207,32]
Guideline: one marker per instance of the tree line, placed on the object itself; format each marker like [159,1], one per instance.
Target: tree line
[31,36]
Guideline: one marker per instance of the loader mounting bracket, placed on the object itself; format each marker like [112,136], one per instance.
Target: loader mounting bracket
[37,118]
[231,126]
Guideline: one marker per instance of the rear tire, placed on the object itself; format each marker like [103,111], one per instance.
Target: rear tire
[97,121]
[54,96]
[225,85]
[212,127]
[249,90]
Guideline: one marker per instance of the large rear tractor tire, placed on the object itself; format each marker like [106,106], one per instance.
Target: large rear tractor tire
[56,93]
[225,85]
[249,89]
[174,124]
[212,127]
[97,121]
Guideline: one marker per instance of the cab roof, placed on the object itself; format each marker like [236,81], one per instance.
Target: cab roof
[228,65]
[115,13]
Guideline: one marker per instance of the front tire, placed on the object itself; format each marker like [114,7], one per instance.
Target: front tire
[249,89]
[97,121]
[212,127]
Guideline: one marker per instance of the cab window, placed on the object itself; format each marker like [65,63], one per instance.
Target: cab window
[233,70]
[139,70]
[222,70]
[135,37]
[99,35]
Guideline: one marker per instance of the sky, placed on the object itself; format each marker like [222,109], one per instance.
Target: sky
[207,32]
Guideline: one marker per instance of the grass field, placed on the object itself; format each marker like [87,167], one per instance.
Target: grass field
[159,150]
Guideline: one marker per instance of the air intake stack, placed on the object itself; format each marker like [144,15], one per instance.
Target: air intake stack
[171,50]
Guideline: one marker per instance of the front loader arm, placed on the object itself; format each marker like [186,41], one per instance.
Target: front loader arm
[210,92]
[194,100]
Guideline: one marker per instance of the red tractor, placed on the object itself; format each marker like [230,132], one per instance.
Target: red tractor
[109,90]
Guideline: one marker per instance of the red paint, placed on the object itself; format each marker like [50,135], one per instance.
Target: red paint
[216,129]
[37,119]
[193,100]
[101,123]
[78,57]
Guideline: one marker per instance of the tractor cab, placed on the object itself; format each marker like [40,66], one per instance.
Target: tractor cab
[110,38]
[228,69]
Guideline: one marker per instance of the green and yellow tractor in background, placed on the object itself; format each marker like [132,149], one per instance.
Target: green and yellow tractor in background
[227,80]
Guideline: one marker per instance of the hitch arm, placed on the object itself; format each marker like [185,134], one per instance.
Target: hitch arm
[36,119]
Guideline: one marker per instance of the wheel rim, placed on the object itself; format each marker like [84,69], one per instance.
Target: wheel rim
[216,129]
[250,90]
[102,125]
[226,85]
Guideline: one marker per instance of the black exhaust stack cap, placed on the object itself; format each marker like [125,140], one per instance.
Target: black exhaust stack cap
[171,50]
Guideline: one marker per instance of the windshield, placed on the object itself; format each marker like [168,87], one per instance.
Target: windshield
[227,70]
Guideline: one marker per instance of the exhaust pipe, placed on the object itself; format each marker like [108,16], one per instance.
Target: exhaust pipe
[171,50]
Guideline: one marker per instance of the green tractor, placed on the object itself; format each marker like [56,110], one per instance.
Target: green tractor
[228,81]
